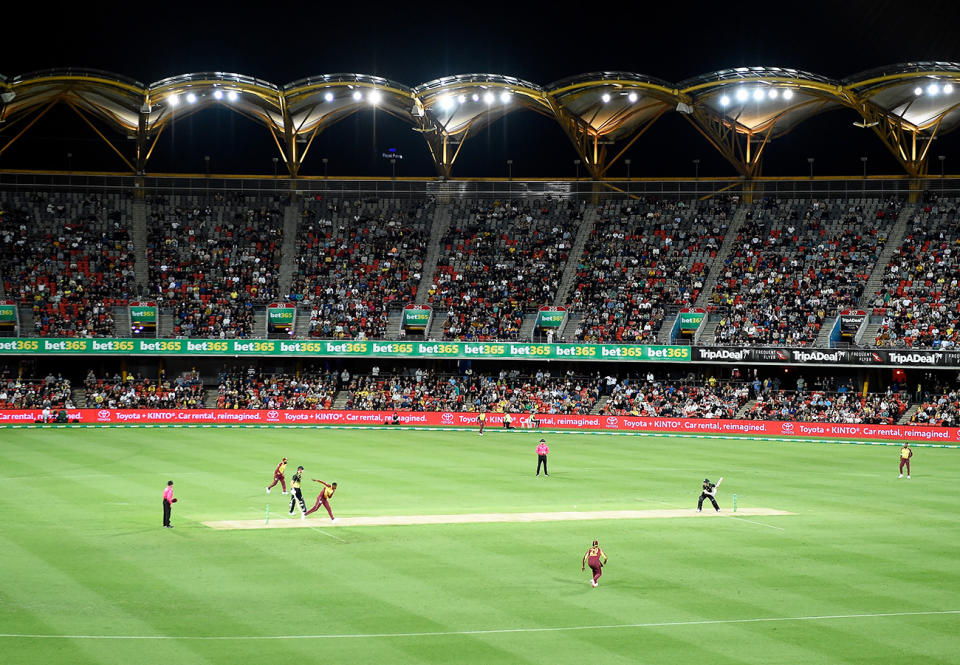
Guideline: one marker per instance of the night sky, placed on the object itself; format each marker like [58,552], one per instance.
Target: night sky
[414,43]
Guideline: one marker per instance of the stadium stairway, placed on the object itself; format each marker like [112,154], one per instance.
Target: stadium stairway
[441,222]
[26,321]
[526,328]
[210,398]
[868,337]
[894,240]
[709,332]
[340,400]
[573,259]
[165,325]
[301,327]
[139,220]
[745,409]
[79,398]
[288,250]
[435,331]
[823,337]
[260,324]
[908,414]
[717,265]
[121,322]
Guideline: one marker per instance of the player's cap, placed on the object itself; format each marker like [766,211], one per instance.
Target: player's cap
[596,542]
[706,480]
[543,440]
[284,459]
[299,467]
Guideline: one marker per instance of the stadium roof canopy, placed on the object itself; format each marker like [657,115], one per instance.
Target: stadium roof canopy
[739,111]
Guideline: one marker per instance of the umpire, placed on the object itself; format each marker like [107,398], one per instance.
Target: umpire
[709,491]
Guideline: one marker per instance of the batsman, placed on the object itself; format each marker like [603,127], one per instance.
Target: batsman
[709,492]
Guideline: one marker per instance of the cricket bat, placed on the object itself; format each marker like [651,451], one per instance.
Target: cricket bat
[716,487]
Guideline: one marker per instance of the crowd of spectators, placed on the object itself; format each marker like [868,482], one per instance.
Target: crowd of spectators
[426,390]
[642,257]
[920,296]
[52,392]
[710,399]
[940,410]
[135,392]
[252,389]
[830,407]
[357,259]
[499,260]
[69,257]
[793,264]
[212,259]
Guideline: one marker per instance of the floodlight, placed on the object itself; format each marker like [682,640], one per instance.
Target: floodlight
[233,96]
[632,97]
[742,95]
[173,100]
[475,97]
[357,96]
[724,101]
[605,97]
[918,91]
[773,94]
[933,89]
[192,98]
[462,99]
[488,97]
[446,103]
[505,96]
[218,94]
[374,97]
[328,96]
[788,94]
[758,94]
[947,88]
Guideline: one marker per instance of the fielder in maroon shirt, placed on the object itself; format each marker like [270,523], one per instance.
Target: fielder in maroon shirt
[324,498]
[596,558]
[278,476]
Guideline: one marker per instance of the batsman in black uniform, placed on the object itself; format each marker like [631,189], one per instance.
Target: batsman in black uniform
[297,494]
[709,492]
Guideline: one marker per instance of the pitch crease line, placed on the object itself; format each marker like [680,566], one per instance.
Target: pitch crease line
[492,631]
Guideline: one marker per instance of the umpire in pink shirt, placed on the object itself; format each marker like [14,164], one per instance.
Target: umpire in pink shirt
[168,501]
[542,450]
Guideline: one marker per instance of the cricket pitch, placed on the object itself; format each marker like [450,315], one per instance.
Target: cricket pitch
[483,518]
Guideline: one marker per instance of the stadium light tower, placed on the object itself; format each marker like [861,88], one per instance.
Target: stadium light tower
[325,160]
[576,166]
[509,169]
[864,160]
[696,169]
[275,162]
[627,162]
[810,162]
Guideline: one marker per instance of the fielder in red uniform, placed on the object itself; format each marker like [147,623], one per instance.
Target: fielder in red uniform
[596,558]
[905,454]
[278,476]
[324,498]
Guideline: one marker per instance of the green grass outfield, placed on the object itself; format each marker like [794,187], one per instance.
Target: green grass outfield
[867,570]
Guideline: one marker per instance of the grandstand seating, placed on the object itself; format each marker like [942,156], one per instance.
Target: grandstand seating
[212,259]
[642,257]
[677,400]
[242,389]
[829,407]
[52,392]
[356,259]
[184,392]
[920,297]
[69,257]
[498,260]
[793,264]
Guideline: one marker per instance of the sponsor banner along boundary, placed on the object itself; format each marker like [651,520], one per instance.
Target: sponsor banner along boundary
[452,419]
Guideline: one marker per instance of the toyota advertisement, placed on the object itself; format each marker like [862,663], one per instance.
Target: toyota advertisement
[459,419]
